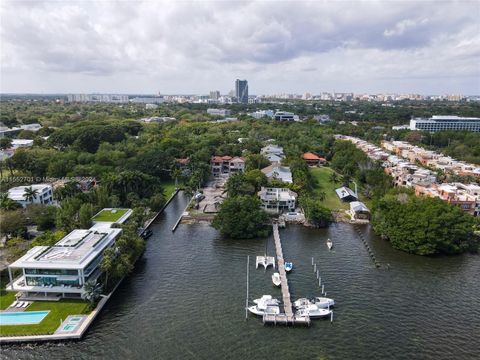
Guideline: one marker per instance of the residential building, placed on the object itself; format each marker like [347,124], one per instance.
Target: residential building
[262,113]
[151,106]
[277,200]
[286,116]
[97,98]
[277,172]
[313,160]
[448,122]
[273,153]
[322,118]
[157,119]
[358,211]
[346,194]
[148,100]
[62,270]
[226,165]
[219,112]
[241,91]
[44,194]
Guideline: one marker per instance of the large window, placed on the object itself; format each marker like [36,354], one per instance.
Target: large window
[50,272]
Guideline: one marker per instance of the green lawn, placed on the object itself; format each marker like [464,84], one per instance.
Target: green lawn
[322,175]
[169,189]
[107,215]
[59,310]
[6,298]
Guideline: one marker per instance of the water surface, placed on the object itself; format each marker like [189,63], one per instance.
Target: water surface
[186,297]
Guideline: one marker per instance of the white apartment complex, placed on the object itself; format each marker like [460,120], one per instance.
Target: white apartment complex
[98,98]
[448,122]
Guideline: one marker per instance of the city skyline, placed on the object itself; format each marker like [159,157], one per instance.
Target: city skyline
[148,47]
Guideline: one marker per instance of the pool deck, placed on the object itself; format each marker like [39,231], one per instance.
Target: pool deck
[77,334]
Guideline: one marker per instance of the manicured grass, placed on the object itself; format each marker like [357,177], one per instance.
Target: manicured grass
[59,310]
[6,298]
[107,215]
[169,189]
[322,175]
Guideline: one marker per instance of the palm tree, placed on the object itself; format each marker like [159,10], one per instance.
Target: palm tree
[93,290]
[6,203]
[30,194]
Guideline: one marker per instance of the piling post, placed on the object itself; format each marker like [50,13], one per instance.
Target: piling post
[323,288]
[312,261]
[246,299]
[315,268]
[331,317]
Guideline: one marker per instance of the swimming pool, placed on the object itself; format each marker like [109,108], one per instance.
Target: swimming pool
[22,317]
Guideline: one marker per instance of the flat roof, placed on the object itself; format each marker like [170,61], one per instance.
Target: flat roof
[112,215]
[74,251]
[17,193]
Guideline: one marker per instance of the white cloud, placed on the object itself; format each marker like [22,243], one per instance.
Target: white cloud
[129,46]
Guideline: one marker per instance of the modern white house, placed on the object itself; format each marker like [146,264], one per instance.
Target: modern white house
[44,194]
[277,200]
[286,116]
[282,173]
[62,270]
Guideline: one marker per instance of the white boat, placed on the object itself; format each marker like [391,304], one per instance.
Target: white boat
[329,244]
[277,281]
[262,310]
[267,300]
[313,311]
[288,266]
[265,261]
[302,302]
[323,302]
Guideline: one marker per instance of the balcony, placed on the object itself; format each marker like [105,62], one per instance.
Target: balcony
[20,284]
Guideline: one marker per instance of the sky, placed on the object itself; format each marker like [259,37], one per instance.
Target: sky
[193,47]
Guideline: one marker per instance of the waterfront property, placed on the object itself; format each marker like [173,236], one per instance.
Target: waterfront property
[62,270]
[43,194]
[277,200]
[358,211]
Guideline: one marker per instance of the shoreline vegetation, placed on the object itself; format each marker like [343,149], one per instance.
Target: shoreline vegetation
[136,164]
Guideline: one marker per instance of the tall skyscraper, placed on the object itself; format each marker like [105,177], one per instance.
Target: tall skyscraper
[241,91]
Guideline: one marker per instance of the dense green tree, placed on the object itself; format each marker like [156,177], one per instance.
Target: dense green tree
[240,217]
[316,214]
[425,226]
[13,223]
[41,215]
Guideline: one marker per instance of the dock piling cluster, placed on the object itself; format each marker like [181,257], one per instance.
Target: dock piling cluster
[370,252]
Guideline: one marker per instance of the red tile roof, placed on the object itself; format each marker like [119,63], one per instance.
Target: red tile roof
[312,156]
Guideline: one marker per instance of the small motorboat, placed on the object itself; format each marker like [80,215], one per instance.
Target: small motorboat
[261,310]
[323,302]
[300,303]
[329,244]
[313,311]
[288,266]
[146,234]
[267,300]
[277,281]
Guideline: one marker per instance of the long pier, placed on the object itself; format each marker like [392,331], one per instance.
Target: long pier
[288,317]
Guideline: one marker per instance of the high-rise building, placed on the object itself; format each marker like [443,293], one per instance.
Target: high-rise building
[241,91]
[215,95]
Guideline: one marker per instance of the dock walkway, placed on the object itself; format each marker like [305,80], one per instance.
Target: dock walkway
[288,317]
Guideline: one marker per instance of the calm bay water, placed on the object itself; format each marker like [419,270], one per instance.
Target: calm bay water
[185,300]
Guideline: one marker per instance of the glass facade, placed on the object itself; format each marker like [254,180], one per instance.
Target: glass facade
[50,272]
[241,91]
[49,280]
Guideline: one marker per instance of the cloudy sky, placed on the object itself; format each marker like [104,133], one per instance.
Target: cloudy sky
[198,46]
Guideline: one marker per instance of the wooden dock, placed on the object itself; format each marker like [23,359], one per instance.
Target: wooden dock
[288,317]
